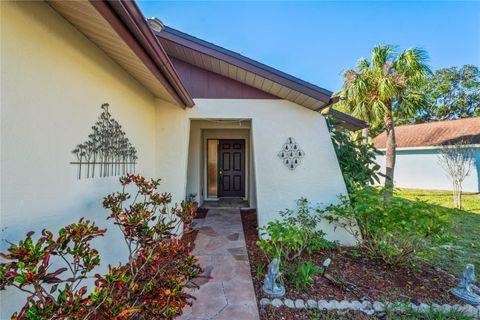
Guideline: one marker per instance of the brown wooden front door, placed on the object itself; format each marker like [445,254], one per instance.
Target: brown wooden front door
[231,168]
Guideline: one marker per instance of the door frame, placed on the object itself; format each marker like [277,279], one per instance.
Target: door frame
[212,134]
[244,171]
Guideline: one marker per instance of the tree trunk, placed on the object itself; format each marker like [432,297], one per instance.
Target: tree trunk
[389,155]
[454,191]
[365,135]
[460,195]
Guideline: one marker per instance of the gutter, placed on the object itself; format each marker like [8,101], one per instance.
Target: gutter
[131,17]
[329,103]
[346,118]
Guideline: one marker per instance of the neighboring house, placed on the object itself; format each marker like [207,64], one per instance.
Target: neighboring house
[204,119]
[418,146]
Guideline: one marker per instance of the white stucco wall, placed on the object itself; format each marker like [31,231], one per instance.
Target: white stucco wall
[53,81]
[171,149]
[318,178]
[420,169]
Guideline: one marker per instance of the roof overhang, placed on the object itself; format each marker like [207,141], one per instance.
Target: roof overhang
[237,67]
[347,121]
[439,147]
[434,134]
[120,30]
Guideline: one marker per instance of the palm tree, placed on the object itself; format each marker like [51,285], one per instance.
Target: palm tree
[384,87]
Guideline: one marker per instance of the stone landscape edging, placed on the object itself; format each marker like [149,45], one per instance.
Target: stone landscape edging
[366,306]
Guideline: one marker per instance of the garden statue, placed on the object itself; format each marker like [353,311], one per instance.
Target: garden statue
[325,265]
[270,286]
[465,290]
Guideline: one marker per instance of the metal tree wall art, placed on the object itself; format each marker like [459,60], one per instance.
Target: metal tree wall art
[291,154]
[107,152]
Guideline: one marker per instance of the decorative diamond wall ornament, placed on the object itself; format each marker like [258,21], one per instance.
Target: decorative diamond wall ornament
[291,154]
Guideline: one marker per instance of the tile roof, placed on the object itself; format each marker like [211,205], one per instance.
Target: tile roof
[434,133]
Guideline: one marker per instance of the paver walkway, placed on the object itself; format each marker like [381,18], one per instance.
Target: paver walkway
[220,248]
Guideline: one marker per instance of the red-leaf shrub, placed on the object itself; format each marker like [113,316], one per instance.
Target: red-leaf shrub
[151,285]
[30,265]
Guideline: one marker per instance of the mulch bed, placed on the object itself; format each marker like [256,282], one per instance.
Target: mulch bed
[201,213]
[374,280]
[189,239]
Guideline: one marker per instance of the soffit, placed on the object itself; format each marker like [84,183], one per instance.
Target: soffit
[232,71]
[97,29]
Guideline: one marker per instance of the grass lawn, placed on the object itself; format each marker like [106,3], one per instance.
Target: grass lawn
[466,249]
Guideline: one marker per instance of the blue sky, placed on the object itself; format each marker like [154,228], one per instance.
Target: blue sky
[316,41]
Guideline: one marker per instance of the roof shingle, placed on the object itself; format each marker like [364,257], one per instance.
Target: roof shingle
[434,133]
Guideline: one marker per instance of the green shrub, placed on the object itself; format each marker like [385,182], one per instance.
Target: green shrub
[296,235]
[394,231]
[356,159]
[298,232]
[308,219]
[285,241]
[304,273]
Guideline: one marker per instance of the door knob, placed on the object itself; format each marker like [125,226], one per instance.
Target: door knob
[221,172]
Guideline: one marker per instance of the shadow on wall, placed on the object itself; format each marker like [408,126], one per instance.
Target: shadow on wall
[471,140]
[466,139]
[86,203]
[476,165]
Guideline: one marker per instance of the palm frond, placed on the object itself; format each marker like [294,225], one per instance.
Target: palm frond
[386,88]
[384,84]
[363,65]
[408,102]
[349,76]
[380,55]
[412,63]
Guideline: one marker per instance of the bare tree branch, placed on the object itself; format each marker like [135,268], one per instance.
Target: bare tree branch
[457,161]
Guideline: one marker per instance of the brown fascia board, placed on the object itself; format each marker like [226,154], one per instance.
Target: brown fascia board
[128,21]
[245,63]
[354,123]
[329,103]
